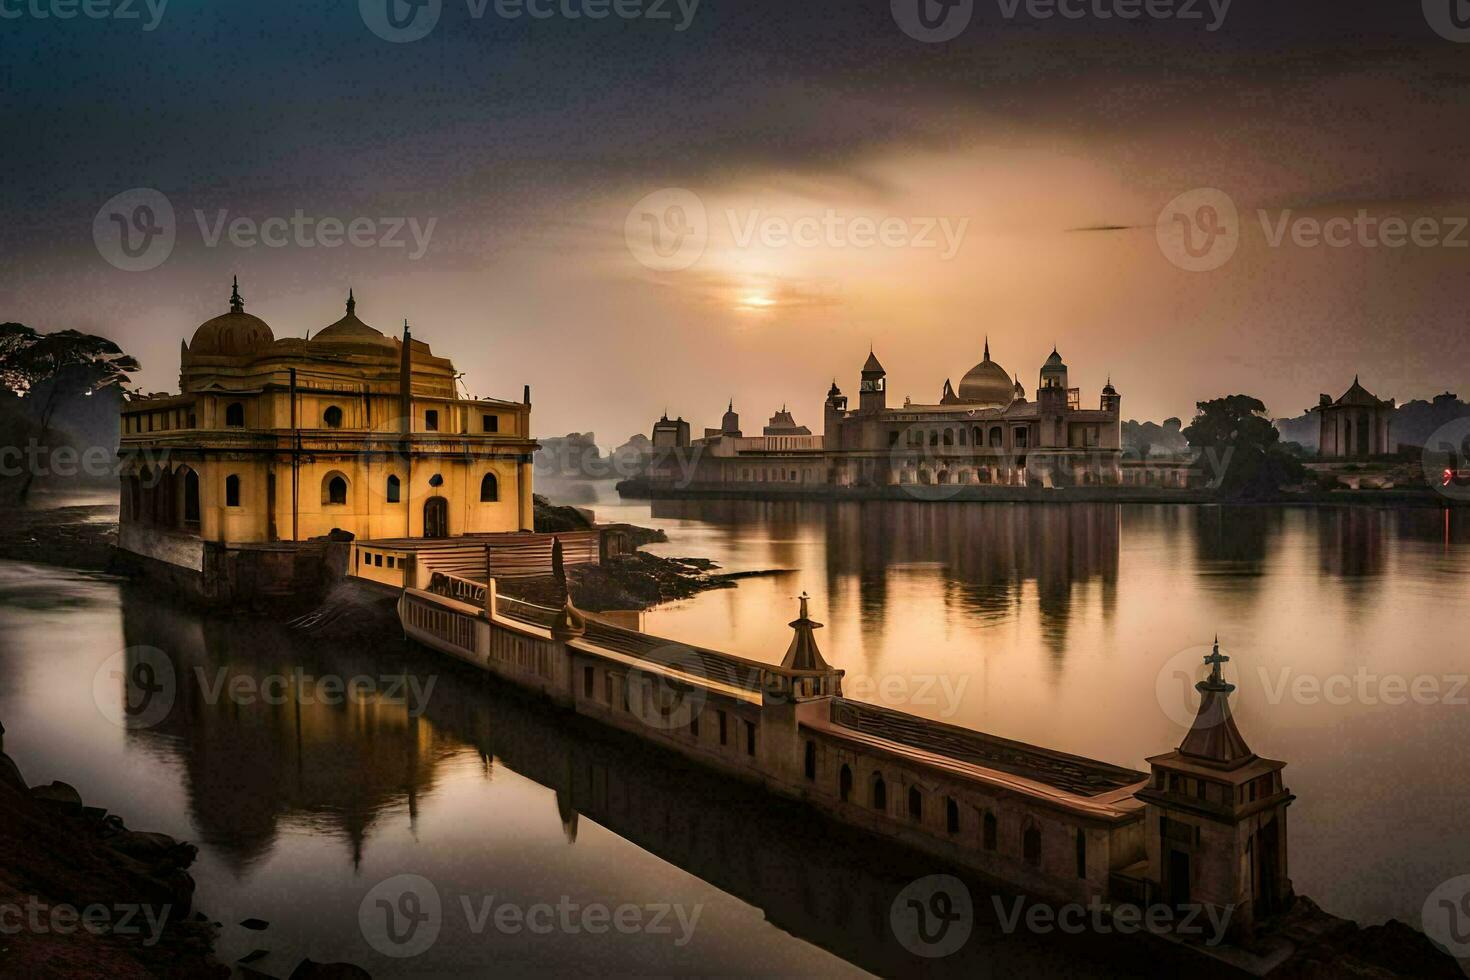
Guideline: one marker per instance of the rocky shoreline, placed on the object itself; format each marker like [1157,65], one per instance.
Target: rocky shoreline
[91,897]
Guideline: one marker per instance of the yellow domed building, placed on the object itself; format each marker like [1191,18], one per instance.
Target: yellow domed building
[273,441]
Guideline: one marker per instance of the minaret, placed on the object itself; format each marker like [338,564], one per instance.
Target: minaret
[1215,827]
[803,653]
[405,383]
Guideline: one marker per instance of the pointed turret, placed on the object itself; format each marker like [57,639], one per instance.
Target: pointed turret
[803,653]
[1213,739]
[237,303]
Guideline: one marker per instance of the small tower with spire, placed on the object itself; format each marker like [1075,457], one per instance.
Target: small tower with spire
[237,303]
[1216,817]
[730,424]
[873,389]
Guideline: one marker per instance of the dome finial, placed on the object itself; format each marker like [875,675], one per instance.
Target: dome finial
[237,305]
[987,347]
[351,302]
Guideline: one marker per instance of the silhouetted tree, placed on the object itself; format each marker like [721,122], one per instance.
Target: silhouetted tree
[1234,432]
[45,370]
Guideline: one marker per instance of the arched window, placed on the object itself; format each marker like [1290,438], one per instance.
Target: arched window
[1031,844]
[431,420]
[332,417]
[1021,439]
[811,759]
[989,836]
[191,497]
[916,804]
[235,415]
[962,435]
[951,815]
[949,437]
[489,489]
[395,490]
[997,437]
[880,792]
[334,490]
[934,437]
[232,491]
[844,783]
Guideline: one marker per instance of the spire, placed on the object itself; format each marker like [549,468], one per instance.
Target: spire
[987,347]
[351,303]
[237,305]
[1213,739]
[803,653]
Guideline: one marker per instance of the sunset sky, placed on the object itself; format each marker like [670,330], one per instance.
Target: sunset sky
[1040,152]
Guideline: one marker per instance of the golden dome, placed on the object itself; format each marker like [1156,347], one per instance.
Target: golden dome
[235,332]
[987,383]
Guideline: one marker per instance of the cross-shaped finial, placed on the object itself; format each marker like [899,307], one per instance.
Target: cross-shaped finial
[1215,659]
[804,598]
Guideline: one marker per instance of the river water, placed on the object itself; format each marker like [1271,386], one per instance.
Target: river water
[1077,627]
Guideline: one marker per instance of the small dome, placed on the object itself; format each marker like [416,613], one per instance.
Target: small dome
[987,383]
[232,333]
[350,329]
[1054,363]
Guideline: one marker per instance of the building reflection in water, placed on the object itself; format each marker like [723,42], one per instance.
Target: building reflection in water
[343,768]
[987,555]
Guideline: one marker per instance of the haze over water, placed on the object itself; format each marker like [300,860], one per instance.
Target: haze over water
[1076,627]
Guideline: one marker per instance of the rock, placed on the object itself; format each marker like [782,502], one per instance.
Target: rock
[10,774]
[154,849]
[309,970]
[61,795]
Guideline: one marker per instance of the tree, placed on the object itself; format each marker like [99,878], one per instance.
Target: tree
[45,370]
[1234,434]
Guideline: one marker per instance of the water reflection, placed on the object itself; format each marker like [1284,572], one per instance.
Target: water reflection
[342,768]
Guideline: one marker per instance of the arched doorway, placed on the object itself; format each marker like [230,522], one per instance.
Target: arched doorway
[436,518]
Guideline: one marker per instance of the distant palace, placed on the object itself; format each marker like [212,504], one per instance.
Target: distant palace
[986,432]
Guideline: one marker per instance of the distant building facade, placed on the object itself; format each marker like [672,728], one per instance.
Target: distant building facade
[1358,424]
[283,440]
[986,432]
